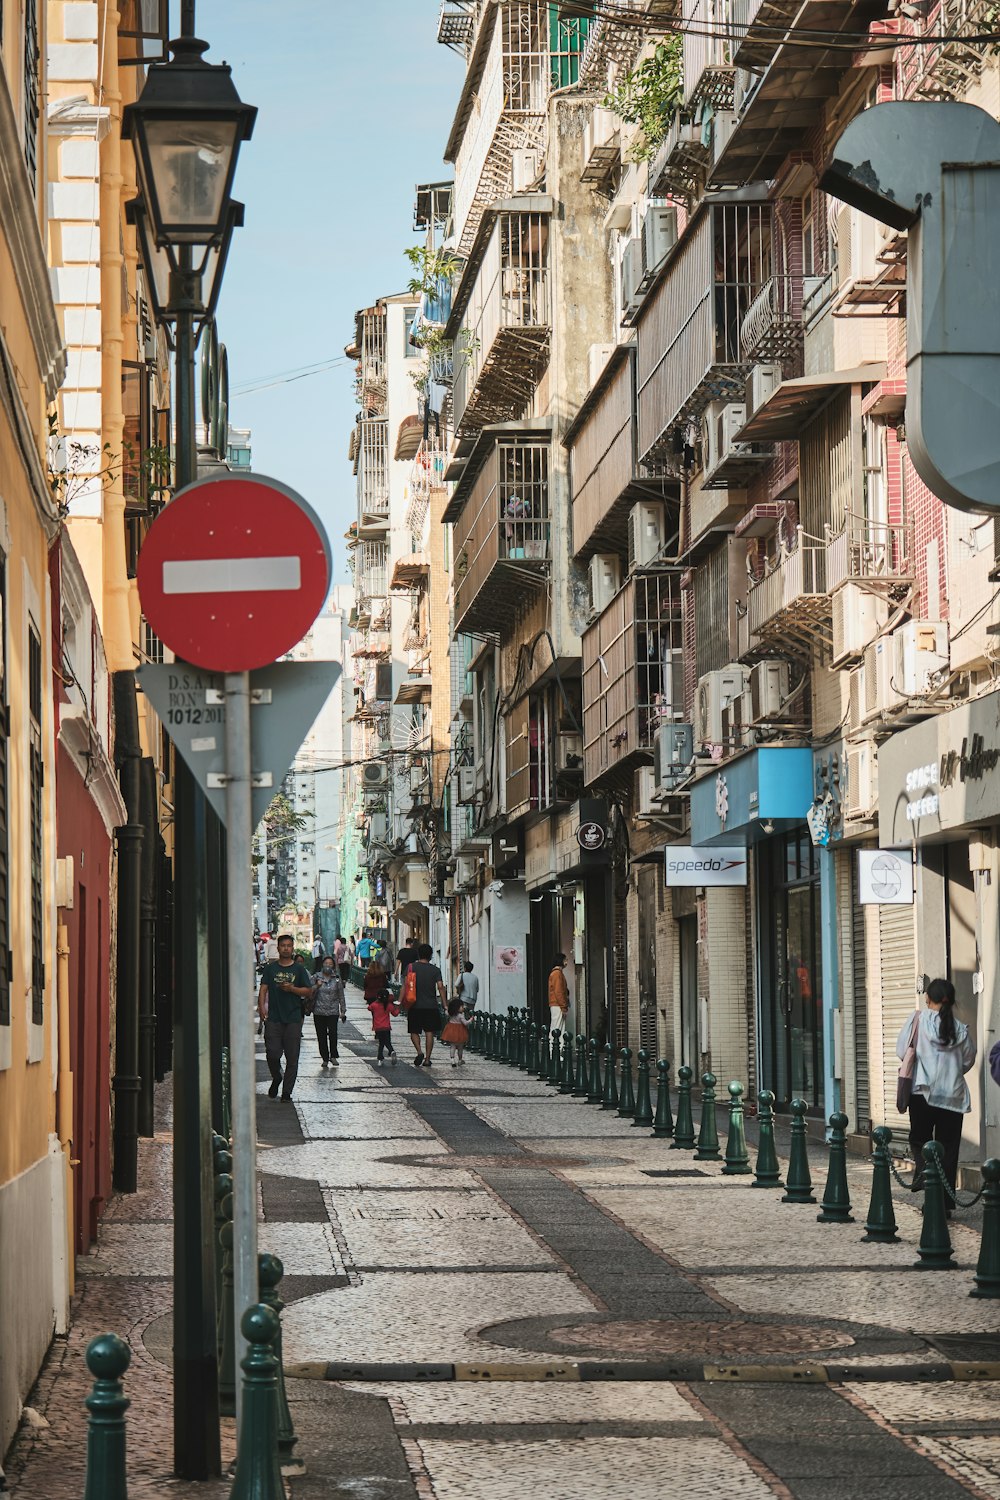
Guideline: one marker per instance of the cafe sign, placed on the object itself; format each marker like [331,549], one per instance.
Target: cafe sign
[942,774]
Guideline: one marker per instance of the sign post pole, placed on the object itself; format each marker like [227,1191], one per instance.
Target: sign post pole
[239,831]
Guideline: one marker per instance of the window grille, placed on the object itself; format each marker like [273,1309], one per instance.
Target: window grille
[32,57]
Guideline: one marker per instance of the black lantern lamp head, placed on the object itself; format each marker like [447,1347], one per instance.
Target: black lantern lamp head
[187,127]
[160,271]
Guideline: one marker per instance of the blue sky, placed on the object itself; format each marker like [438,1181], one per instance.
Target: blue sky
[355,98]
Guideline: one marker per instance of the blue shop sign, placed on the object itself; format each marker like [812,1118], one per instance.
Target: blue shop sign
[773,786]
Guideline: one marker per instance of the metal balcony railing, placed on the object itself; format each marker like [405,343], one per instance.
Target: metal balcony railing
[868,550]
[773,327]
[798,575]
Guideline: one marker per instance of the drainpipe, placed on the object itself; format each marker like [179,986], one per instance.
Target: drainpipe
[64,1093]
[147,940]
[129,841]
[831,978]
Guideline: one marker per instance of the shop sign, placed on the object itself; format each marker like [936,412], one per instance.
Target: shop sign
[942,774]
[715,865]
[885,878]
[508,960]
[591,837]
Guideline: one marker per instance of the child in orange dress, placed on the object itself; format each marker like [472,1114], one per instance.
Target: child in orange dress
[456,1033]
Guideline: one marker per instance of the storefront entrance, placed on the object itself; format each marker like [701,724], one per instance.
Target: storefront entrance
[791,975]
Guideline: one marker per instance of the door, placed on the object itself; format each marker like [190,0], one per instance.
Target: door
[687,930]
[648,877]
[791,972]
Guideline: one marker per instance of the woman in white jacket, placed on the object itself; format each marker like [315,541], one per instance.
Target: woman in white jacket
[940,1097]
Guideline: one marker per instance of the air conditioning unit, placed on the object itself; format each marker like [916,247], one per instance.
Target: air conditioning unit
[762,382]
[921,653]
[646,792]
[377,828]
[723,125]
[715,691]
[723,421]
[597,358]
[659,236]
[632,293]
[858,616]
[673,754]
[374,774]
[733,724]
[569,751]
[881,694]
[525,166]
[861,791]
[605,579]
[465,870]
[646,533]
[768,690]
[599,134]
[419,778]
[467,777]
[856,699]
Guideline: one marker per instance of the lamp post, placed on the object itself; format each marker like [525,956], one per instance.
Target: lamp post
[186,129]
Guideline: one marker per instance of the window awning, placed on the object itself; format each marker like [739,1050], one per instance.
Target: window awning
[414,690]
[411,430]
[794,404]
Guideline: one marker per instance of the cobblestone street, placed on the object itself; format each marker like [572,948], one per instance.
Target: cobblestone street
[470,1217]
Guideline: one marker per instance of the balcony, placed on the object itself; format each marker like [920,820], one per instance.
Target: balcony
[501,537]
[371,571]
[606,476]
[783,78]
[372,467]
[877,554]
[679,165]
[789,608]
[368,350]
[632,675]
[773,328]
[502,320]
[708,65]
[689,324]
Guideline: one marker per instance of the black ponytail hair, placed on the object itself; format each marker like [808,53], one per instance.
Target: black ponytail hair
[942,992]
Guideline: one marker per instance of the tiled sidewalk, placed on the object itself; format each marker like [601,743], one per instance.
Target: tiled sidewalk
[473,1215]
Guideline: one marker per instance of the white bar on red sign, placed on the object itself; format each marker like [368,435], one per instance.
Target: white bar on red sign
[232,575]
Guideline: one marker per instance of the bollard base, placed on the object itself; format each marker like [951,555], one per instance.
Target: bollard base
[990,1289]
[769,1182]
[879,1237]
[798,1198]
[934,1264]
[835,1216]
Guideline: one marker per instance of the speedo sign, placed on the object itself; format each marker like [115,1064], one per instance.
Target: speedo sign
[710,865]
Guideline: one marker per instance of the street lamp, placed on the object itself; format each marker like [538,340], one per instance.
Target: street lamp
[186,129]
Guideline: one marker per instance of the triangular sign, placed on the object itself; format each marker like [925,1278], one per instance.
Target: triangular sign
[292,694]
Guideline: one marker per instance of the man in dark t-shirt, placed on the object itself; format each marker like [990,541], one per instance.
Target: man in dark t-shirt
[423,1016]
[285,985]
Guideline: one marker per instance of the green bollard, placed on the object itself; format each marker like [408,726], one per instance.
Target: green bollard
[987,1277]
[880,1225]
[684,1129]
[223,1187]
[595,1085]
[643,1105]
[663,1122]
[108,1357]
[737,1163]
[934,1250]
[708,1130]
[522,1043]
[580,1085]
[543,1054]
[258,1467]
[626,1099]
[555,1059]
[798,1188]
[767,1173]
[502,1026]
[836,1206]
[224,1325]
[566,1075]
[531,1064]
[610,1100]
[269,1272]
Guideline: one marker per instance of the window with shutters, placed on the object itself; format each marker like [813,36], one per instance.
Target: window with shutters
[36,777]
[5,964]
[31,60]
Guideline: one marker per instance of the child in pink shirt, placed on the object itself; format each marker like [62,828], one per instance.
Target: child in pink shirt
[383,1008]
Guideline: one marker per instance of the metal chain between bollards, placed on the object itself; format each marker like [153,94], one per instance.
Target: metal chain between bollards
[907,1184]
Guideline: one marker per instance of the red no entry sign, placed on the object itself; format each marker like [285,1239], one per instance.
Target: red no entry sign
[233,572]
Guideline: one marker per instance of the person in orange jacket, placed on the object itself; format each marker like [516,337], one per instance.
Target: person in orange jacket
[558,994]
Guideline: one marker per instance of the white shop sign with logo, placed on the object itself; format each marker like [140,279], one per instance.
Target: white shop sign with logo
[941,775]
[711,865]
[885,877]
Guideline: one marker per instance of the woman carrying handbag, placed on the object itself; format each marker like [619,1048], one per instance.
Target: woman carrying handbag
[936,1051]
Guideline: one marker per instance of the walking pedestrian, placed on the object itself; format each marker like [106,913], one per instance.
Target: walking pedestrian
[375,981]
[366,947]
[383,1008]
[385,959]
[456,1033]
[331,1009]
[352,951]
[945,1051]
[406,956]
[424,1015]
[341,958]
[270,949]
[285,993]
[319,953]
[468,988]
[558,994]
